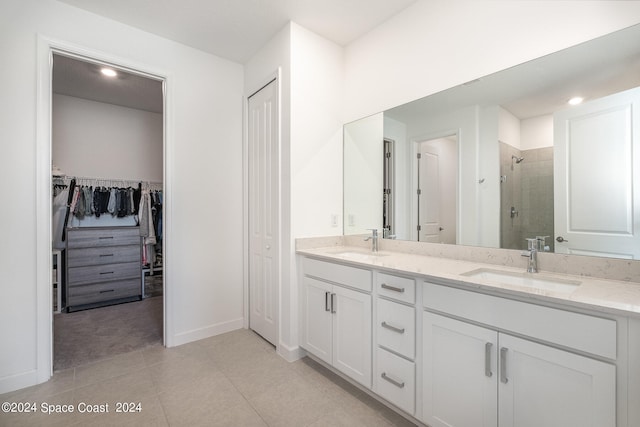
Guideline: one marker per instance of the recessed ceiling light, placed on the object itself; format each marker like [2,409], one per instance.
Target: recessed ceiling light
[108,72]
[576,100]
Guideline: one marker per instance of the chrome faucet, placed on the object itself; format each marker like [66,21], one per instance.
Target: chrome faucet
[532,254]
[374,239]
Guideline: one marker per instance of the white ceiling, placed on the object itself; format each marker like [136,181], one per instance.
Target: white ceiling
[81,79]
[237,29]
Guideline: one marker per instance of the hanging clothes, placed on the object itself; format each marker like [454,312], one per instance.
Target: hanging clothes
[59,209]
[146,228]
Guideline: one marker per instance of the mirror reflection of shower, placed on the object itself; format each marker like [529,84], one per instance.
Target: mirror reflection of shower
[516,160]
[526,194]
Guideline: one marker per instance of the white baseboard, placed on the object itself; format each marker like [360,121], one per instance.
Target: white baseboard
[290,354]
[206,332]
[18,381]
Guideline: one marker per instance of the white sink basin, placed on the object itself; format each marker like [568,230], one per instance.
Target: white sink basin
[358,255]
[528,280]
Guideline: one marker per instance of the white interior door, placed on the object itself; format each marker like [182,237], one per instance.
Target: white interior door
[437,190]
[596,193]
[264,245]
[429,194]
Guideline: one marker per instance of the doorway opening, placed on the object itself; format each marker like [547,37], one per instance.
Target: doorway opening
[107,179]
[437,189]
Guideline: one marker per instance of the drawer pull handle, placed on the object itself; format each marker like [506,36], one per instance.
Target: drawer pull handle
[104,292]
[399,384]
[392,328]
[487,359]
[106,272]
[503,365]
[334,305]
[326,301]
[392,288]
[105,237]
[106,255]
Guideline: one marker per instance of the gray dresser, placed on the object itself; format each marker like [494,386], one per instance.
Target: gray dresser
[103,266]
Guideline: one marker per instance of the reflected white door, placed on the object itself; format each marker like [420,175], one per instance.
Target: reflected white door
[437,194]
[596,193]
[429,194]
[264,245]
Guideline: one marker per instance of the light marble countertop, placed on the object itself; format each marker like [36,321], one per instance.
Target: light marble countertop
[607,296]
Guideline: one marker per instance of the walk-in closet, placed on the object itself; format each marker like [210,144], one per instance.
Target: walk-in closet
[107,216]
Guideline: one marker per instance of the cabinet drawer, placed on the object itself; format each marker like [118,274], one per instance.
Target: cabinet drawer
[395,380]
[103,273]
[102,236]
[87,294]
[398,288]
[583,332]
[337,273]
[395,327]
[102,255]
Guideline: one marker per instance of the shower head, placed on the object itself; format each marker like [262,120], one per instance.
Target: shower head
[517,159]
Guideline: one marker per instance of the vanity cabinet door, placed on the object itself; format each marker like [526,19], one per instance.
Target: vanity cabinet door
[544,386]
[352,334]
[460,375]
[336,327]
[317,318]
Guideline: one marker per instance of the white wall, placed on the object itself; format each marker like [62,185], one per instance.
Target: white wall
[509,130]
[536,132]
[363,179]
[311,141]
[203,177]
[405,58]
[316,133]
[95,139]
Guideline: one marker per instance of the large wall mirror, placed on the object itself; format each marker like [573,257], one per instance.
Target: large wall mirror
[506,157]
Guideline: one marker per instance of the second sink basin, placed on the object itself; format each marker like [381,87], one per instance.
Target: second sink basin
[358,255]
[528,280]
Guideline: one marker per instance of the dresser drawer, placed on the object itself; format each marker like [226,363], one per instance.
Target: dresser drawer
[102,236]
[357,278]
[396,287]
[103,273]
[102,255]
[87,294]
[395,380]
[395,327]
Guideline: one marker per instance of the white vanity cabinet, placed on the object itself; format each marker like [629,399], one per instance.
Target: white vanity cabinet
[485,376]
[336,317]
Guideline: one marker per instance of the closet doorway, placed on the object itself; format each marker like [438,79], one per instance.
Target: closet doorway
[107,152]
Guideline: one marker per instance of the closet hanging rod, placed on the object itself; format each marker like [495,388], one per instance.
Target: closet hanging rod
[111,182]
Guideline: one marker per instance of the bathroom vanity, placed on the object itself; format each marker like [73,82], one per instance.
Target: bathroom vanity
[457,343]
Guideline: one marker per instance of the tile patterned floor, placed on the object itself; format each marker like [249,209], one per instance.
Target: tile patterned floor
[234,379]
